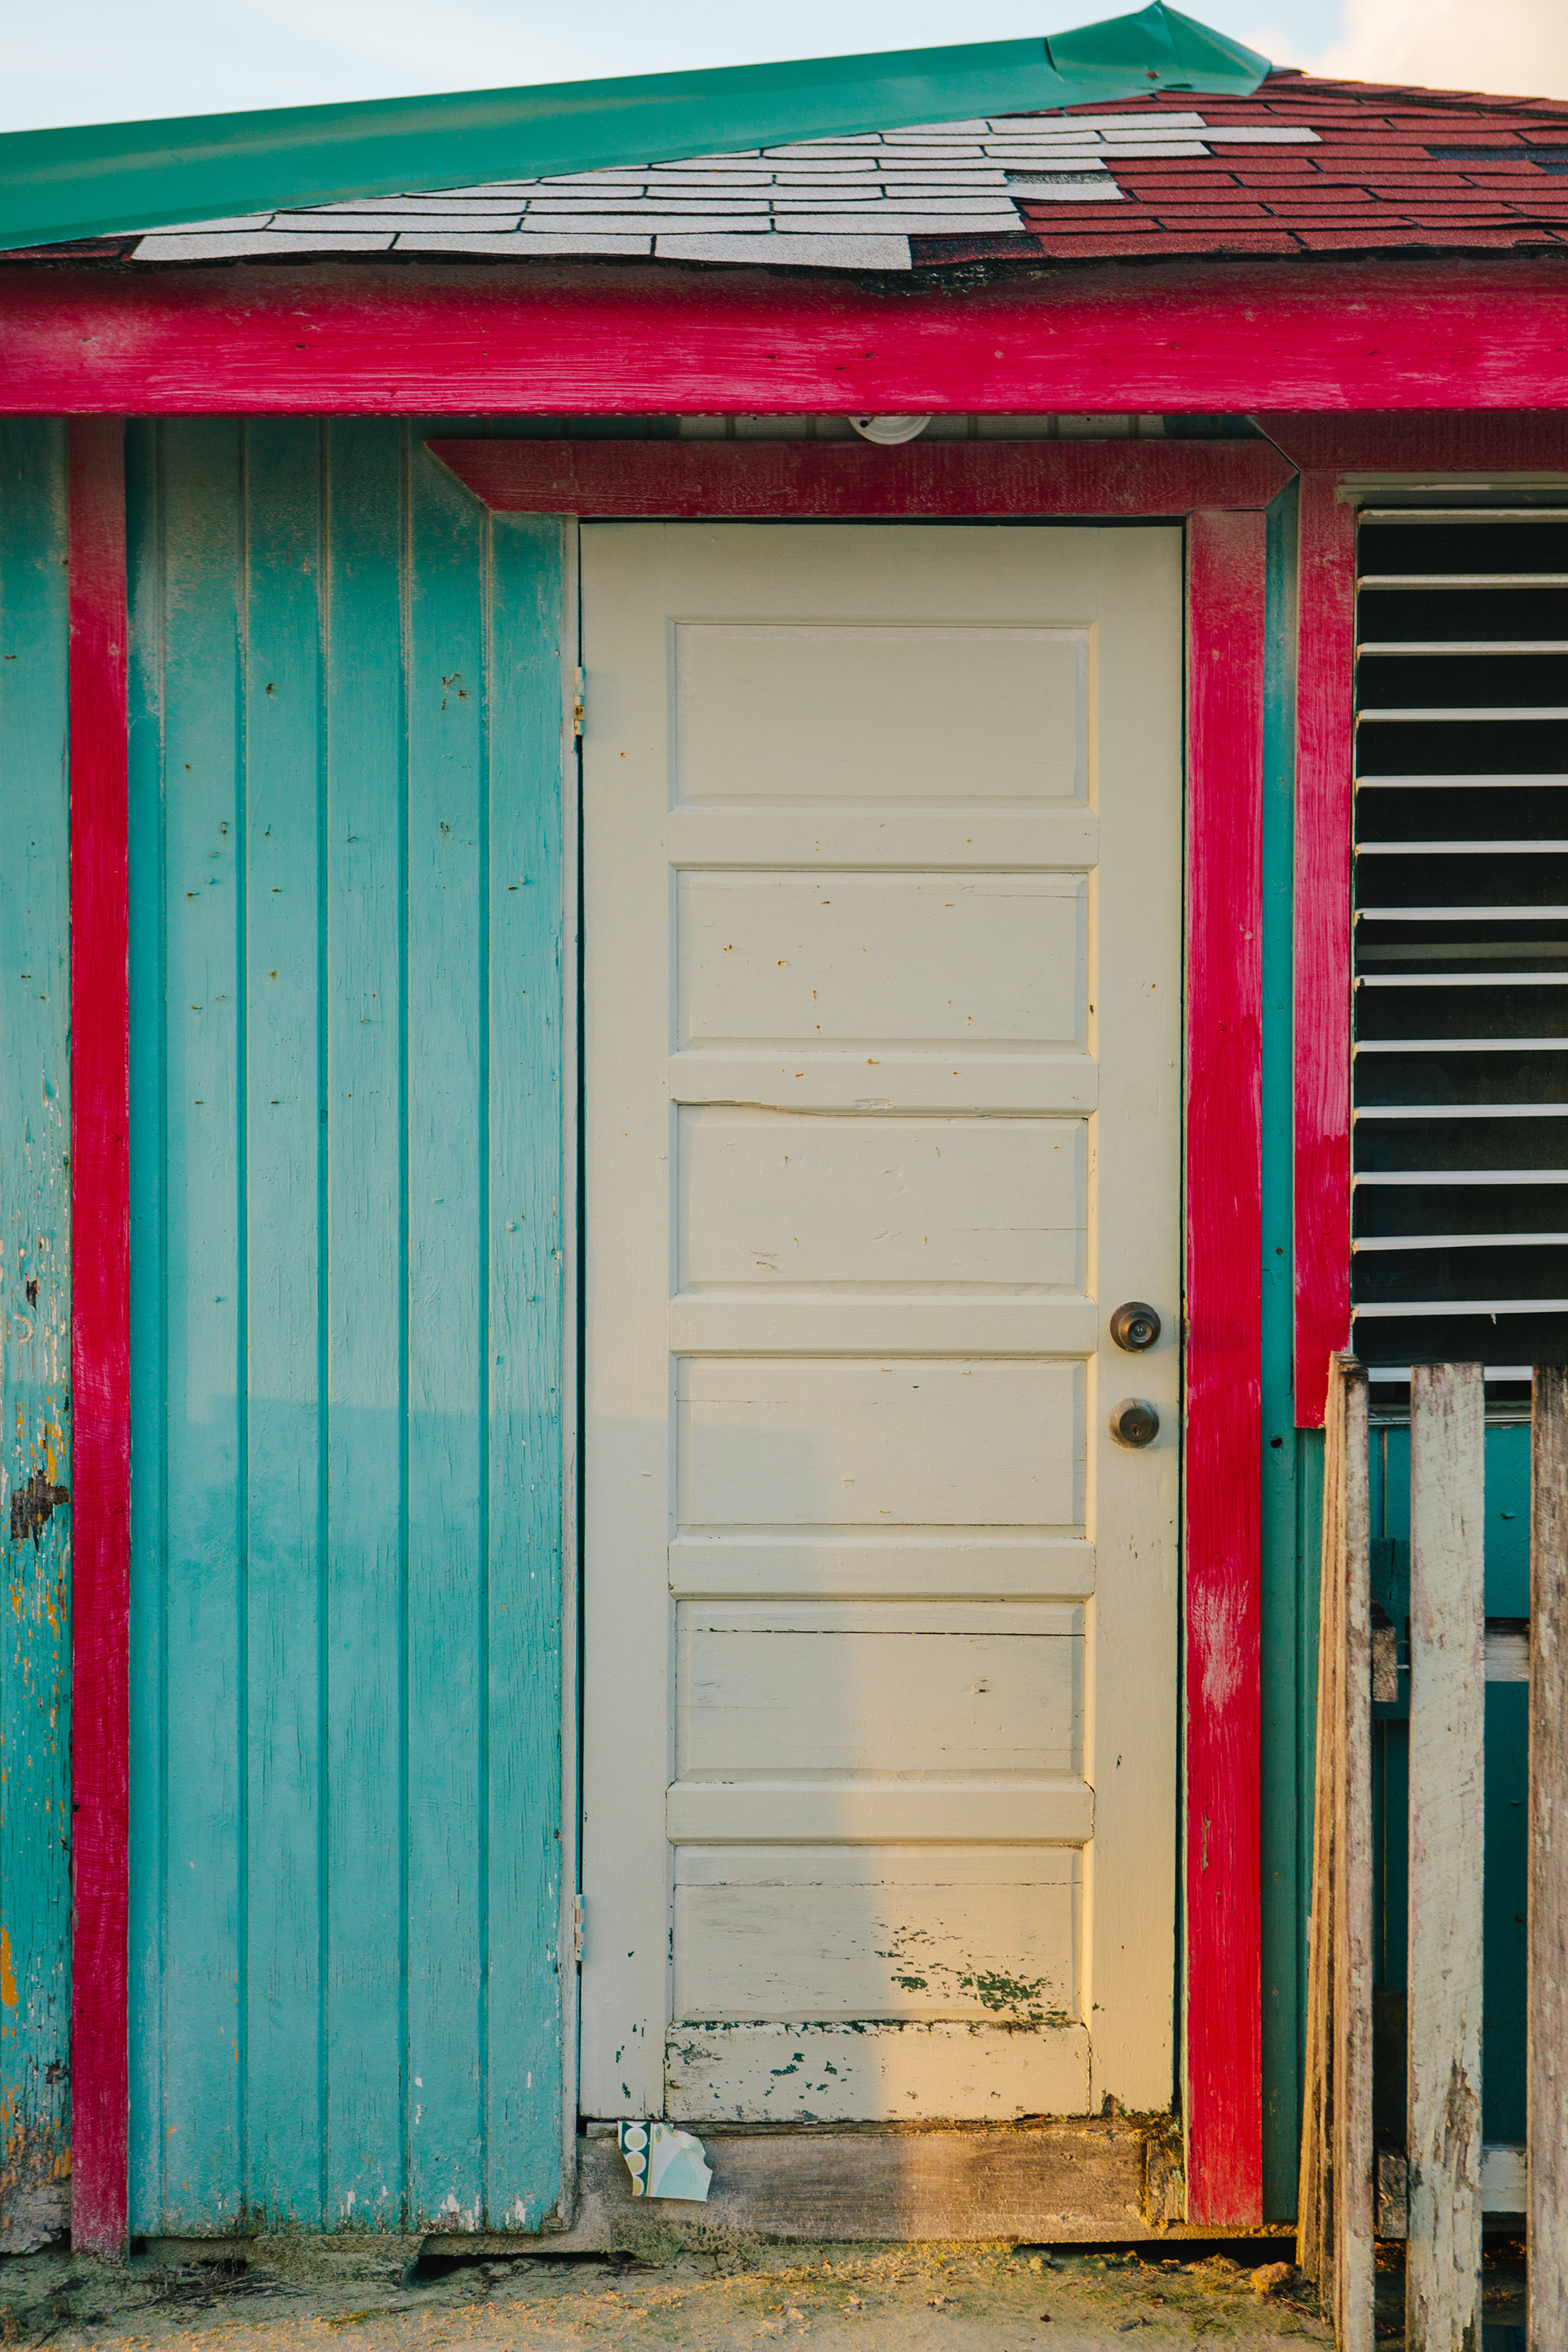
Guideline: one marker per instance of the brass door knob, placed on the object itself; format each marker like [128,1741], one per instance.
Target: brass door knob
[1135,1327]
[1134,1422]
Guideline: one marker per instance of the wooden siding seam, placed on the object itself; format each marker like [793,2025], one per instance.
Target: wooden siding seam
[569,970]
[323,1317]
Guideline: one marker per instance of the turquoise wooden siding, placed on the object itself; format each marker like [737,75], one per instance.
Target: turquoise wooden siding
[347,1281]
[1284,1633]
[35,1316]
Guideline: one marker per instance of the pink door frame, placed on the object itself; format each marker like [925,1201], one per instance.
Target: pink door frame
[1220,489]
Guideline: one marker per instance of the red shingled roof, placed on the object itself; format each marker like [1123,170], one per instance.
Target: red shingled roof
[1392,167]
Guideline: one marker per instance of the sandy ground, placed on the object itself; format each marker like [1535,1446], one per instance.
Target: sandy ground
[281,2294]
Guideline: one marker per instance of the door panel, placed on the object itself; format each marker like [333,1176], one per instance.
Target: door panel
[882,892]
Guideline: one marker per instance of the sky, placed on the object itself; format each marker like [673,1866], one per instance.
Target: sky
[104,60]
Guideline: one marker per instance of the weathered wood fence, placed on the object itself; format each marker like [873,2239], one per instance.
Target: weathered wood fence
[1438,2197]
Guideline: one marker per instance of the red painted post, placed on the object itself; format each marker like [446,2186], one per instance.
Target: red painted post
[100,1334]
[1224,1366]
[1325,770]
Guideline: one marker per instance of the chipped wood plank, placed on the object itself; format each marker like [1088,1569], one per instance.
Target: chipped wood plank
[1447,1722]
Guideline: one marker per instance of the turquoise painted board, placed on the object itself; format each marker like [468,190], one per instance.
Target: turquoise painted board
[35,1335]
[347,1283]
[1282,1925]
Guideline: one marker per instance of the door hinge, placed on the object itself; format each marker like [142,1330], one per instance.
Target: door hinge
[579,1929]
[578,691]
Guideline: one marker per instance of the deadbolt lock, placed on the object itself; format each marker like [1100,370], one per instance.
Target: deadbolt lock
[1135,1327]
[1134,1422]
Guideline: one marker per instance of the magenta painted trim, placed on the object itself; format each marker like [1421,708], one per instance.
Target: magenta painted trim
[1422,332]
[1325,788]
[1223,1469]
[100,1335]
[820,480]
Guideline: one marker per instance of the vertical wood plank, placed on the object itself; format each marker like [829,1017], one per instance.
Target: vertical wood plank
[1287,1559]
[1547,2031]
[365,1756]
[1226,559]
[524,2057]
[100,1361]
[1325,757]
[205,1613]
[1353,2224]
[1447,1727]
[35,1322]
[149,1693]
[449,1465]
[285,1176]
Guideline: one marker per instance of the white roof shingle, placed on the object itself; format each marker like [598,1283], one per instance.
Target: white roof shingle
[823,204]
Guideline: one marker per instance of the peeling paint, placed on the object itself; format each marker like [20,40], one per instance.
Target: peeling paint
[1218,1637]
[34,1347]
[34,1504]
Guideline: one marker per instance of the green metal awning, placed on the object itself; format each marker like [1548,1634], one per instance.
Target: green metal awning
[105,179]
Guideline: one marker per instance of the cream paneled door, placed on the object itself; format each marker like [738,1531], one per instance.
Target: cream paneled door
[882,963]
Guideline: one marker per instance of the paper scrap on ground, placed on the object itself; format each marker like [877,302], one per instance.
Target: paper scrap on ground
[664,2162]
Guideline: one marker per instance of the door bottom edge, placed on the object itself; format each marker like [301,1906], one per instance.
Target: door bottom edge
[1077,2179]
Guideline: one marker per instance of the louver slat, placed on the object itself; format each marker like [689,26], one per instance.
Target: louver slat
[1460,1122]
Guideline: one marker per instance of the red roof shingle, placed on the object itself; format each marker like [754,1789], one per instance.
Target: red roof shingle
[1390,166]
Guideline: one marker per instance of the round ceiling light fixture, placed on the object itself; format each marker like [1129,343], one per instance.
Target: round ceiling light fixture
[889,430]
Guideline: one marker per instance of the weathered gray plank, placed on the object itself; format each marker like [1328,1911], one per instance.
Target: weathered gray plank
[1547,2061]
[1447,1723]
[1335,2232]
[1354,2244]
[1314,2221]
